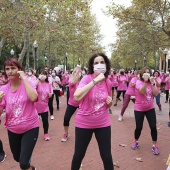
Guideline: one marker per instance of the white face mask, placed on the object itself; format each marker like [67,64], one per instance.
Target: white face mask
[43,77]
[99,68]
[29,73]
[53,74]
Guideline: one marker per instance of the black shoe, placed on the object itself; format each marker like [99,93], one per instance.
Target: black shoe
[2,157]
[115,105]
[119,99]
[58,108]
[110,111]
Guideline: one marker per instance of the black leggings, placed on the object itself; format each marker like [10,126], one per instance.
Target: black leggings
[167,94]
[50,102]
[22,146]
[68,114]
[83,137]
[119,93]
[1,147]
[151,117]
[44,117]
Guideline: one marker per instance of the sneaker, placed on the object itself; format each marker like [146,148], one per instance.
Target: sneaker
[65,137]
[46,137]
[115,105]
[119,99]
[110,111]
[155,150]
[168,124]
[2,157]
[52,117]
[135,145]
[120,118]
[160,112]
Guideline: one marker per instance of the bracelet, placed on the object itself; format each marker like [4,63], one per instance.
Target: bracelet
[94,82]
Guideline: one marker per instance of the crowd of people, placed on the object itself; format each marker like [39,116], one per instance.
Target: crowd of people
[26,98]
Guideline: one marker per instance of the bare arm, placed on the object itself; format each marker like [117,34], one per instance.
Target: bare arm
[32,95]
[80,93]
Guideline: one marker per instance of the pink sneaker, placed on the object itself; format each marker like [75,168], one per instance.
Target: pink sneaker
[46,137]
[65,137]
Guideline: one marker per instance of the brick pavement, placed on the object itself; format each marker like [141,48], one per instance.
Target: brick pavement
[56,155]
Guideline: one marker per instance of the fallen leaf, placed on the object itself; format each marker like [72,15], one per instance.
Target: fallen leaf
[139,159]
[116,164]
[123,145]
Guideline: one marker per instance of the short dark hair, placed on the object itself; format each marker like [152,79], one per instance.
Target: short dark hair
[156,71]
[12,62]
[91,62]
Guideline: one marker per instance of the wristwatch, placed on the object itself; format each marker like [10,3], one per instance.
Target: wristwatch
[94,82]
[153,84]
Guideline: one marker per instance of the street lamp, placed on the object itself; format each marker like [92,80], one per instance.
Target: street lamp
[35,45]
[45,58]
[135,64]
[66,61]
[12,53]
[144,58]
[165,53]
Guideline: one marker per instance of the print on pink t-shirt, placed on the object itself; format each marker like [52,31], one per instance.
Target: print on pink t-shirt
[145,101]
[93,110]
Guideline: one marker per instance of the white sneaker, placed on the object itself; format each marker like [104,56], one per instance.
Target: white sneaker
[160,112]
[120,118]
[52,117]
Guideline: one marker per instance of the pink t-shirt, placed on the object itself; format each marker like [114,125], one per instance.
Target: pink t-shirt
[65,78]
[55,85]
[93,110]
[32,78]
[43,90]
[159,81]
[143,102]
[131,90]
[167,83]
[122,84]
[163,77]
[114,80]
[21,114]
[72,89]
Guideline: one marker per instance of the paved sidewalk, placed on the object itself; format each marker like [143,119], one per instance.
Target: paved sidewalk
[57,155]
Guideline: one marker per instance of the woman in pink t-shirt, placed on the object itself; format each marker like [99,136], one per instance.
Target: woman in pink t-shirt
[129,92]
[45,91]
[122,84]
[113,79]
[55,81]
[21,121]
[94,95]
[144,106]
[167,86]
[156,75]
[72,104]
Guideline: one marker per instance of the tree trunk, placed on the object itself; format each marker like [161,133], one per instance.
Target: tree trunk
[28,53]
[26,44]
[2,42]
